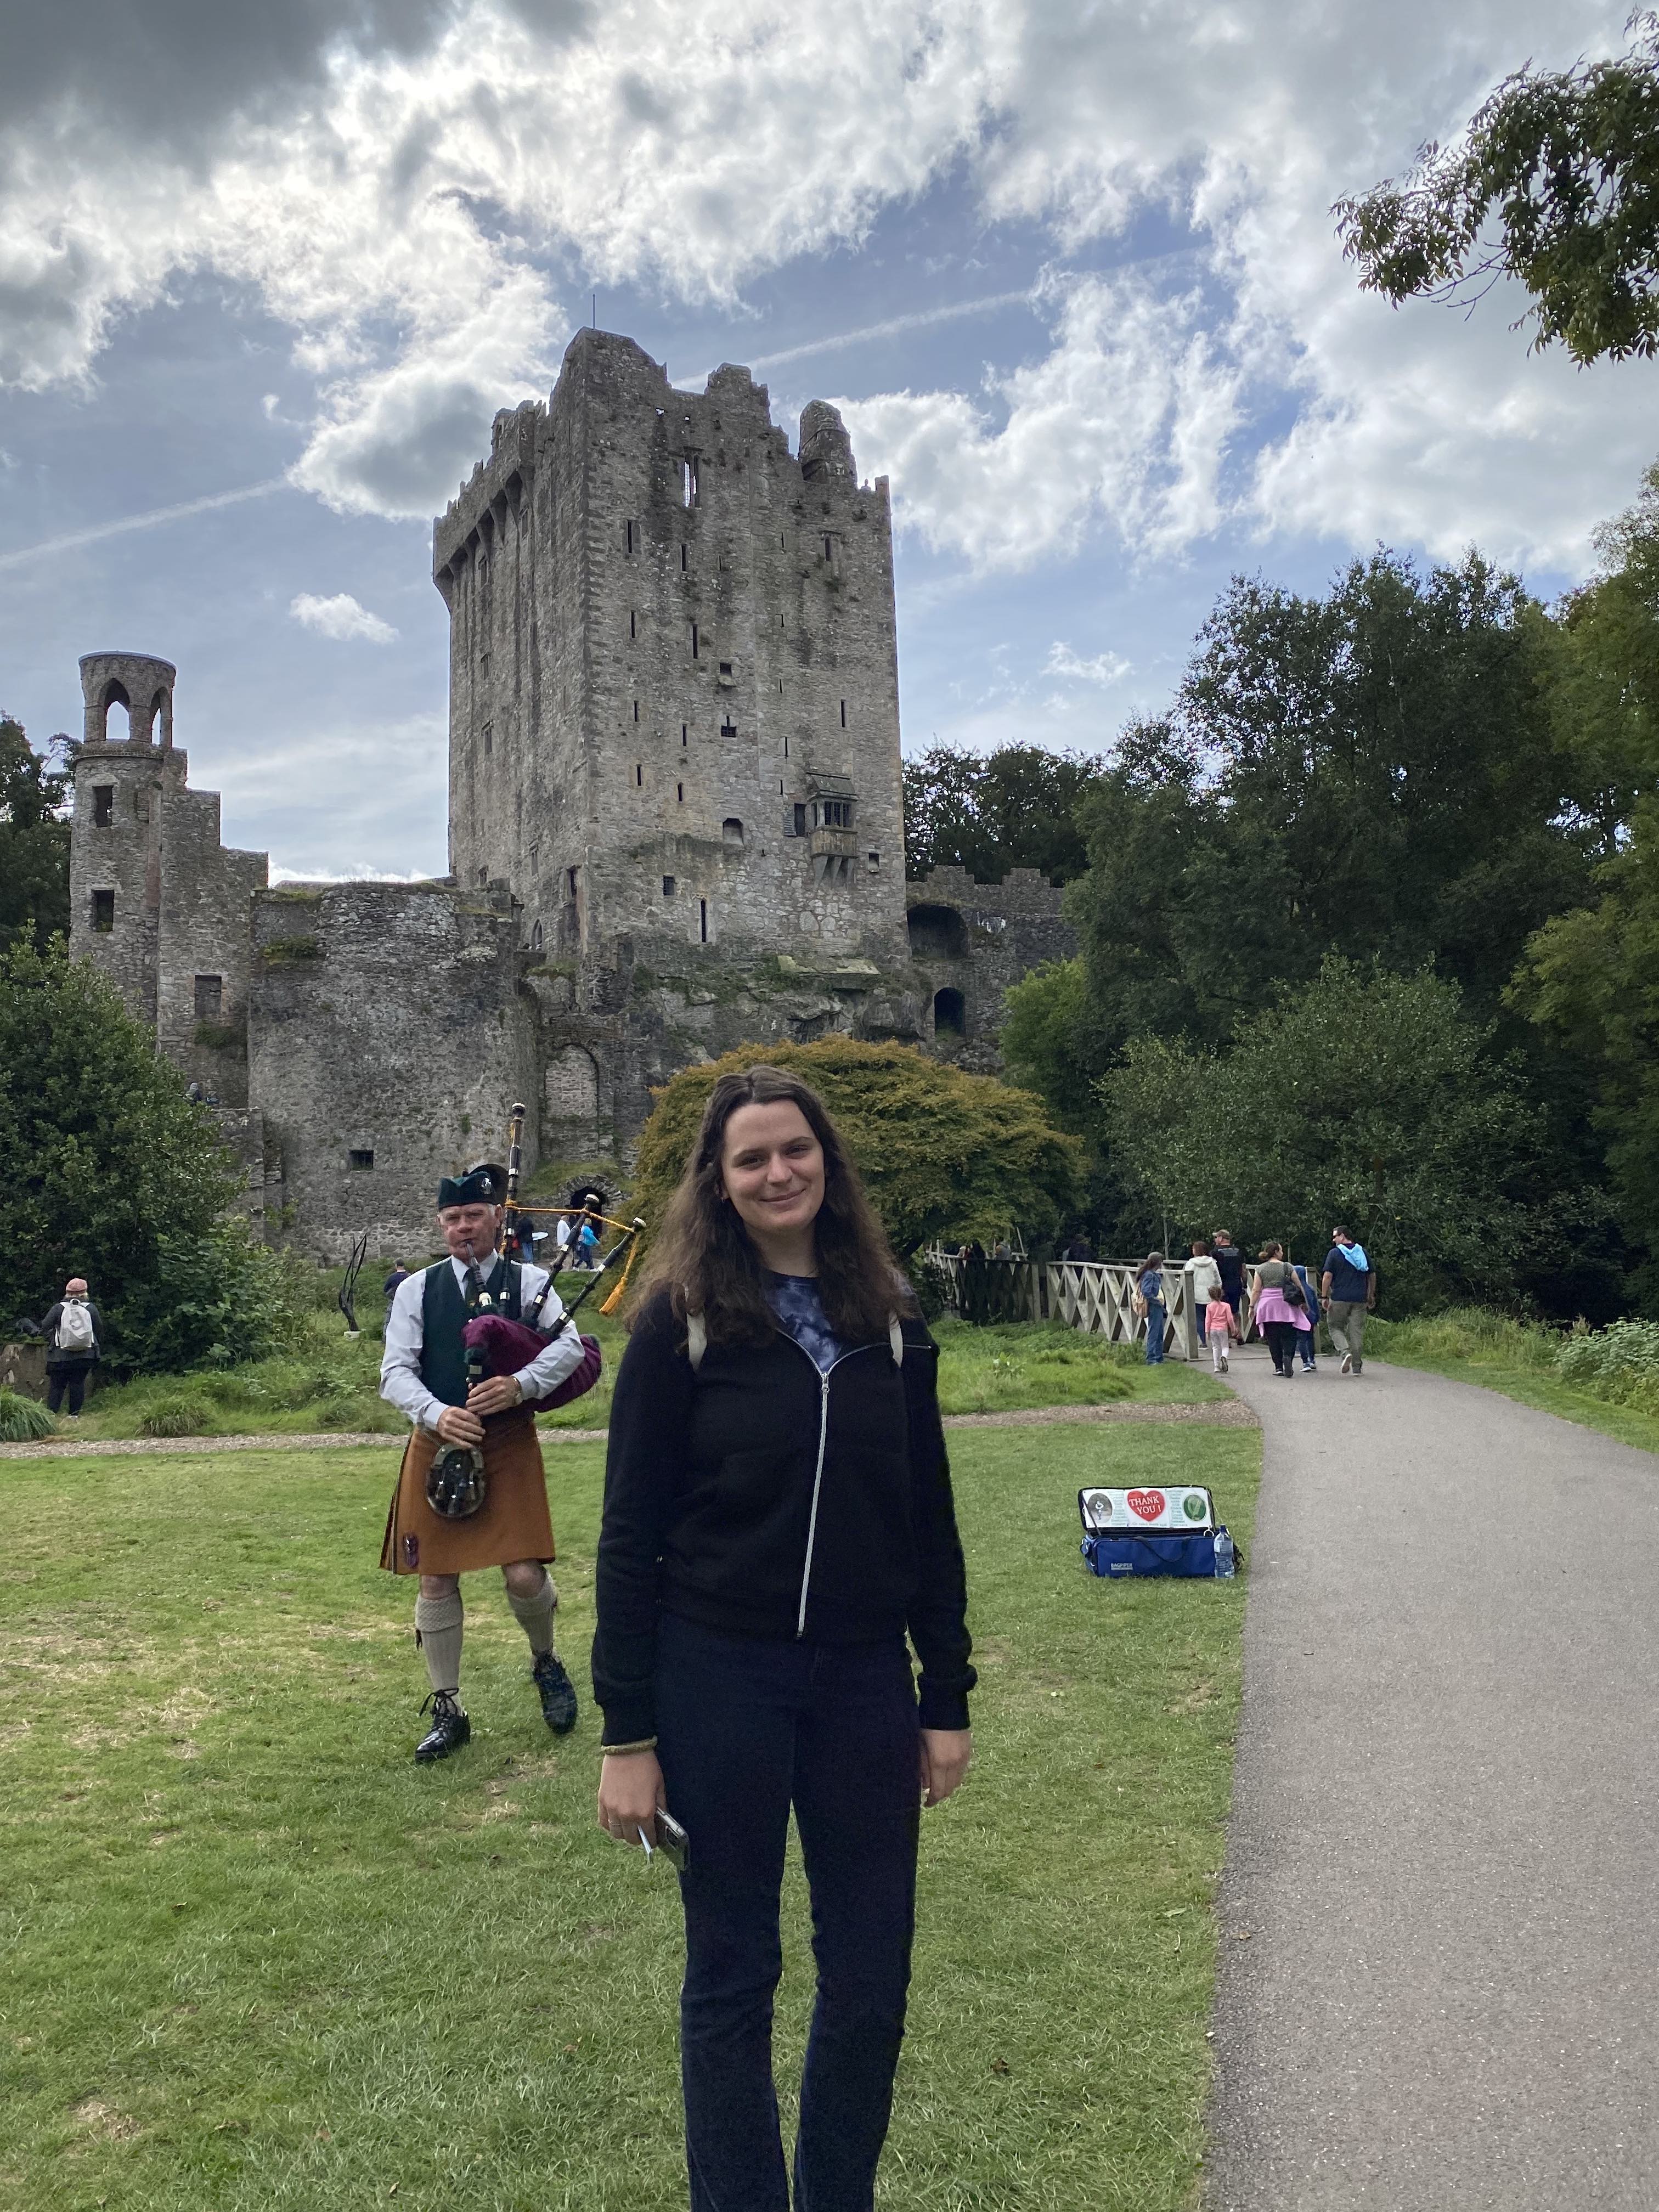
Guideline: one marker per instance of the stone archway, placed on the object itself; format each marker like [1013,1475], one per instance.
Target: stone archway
[570,1103]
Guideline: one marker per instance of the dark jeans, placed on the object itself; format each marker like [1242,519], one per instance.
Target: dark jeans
[60,1379]
[1157,1318]
[1281,1337]
[746,1729]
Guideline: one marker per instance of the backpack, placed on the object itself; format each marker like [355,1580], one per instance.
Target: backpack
[75,1328]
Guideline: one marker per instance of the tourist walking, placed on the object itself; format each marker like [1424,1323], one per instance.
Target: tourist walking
[1203,1283]
[1220,1328]
[1307,1342]
[1347,1292]
[777,1516]
[1150,1301]
[74,1331]
[1230,1265]
[1279,1308]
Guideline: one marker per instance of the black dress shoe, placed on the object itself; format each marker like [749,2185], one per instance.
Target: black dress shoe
[558,1692]
[450,1728]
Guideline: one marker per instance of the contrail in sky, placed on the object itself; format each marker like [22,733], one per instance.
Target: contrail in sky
[96,534]
[923,319]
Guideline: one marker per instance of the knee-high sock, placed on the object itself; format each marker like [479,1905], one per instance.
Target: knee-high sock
[534,1614]
[438,1632]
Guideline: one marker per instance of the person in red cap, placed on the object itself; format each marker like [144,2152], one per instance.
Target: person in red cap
[469,1435]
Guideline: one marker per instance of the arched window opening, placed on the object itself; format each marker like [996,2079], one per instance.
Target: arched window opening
[161,720]
[115,697]
[536,937]
[949,1013]
[938,932]
[732,830]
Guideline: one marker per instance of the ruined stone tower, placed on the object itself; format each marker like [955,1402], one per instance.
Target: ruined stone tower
[673,675]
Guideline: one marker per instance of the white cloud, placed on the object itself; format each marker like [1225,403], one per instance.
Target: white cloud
[340,618]
[1101,668]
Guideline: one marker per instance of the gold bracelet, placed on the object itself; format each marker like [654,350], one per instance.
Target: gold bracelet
[627,1750]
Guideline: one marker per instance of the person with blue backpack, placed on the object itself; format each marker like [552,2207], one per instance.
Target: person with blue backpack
[1347,1292]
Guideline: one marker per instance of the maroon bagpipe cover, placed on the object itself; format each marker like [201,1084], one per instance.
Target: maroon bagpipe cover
[508,1346]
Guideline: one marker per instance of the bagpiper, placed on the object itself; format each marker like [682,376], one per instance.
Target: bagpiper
[472,1490]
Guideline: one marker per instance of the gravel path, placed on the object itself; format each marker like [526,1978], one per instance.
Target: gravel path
[1439,1985]
[1227,1413]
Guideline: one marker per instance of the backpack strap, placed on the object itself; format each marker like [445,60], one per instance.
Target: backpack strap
[696,1340]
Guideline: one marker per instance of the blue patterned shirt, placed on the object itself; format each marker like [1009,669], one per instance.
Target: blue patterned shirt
[799,1309]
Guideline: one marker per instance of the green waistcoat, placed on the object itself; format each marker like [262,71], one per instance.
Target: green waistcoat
[444,1315]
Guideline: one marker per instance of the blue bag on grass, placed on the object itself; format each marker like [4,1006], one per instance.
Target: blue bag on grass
[1152,1531]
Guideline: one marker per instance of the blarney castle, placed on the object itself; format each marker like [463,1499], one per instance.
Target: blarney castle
[675,823]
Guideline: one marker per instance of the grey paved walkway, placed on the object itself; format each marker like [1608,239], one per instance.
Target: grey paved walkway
[1445,1848]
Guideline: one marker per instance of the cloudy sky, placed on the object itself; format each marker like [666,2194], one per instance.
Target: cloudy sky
[266,274]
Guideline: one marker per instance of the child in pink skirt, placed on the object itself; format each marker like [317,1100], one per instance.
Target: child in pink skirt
[1220,1327]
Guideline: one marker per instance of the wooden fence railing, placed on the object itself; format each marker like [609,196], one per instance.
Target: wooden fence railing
[1097,1296]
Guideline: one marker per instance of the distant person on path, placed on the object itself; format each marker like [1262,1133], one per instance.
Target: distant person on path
[1279,1308]
[562,1235]
[1347,1291]
[1079,1251]
[777,1519]
[395,1281]
[74,1331]
[1203,1283]
[1230,1265]
[587,1243]
[1308,1346]
[1149,1299]
[1220,1327]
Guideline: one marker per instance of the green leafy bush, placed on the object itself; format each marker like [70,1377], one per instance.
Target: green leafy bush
[1619,1363]
[22,1420]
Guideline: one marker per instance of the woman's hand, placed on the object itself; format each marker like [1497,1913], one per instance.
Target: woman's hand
[945,1756]
[631,1795]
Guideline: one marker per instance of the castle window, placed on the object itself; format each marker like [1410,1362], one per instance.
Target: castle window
[679,792]
[209,998]
[570,875]
[948,1014]
[489,738]
[693,640]
[682,734]
[684,564]
[843,714]
[535,858]
[536,937]
[801,819]
[732,830]
[728,728]
[628,529]
[829,547]
[726,668]
[103,911]
[689,480]
[636,710]
[483,878]
[362,1157]
[103,806]
[633,630]
[639,774]
[668,887]
[702,920]
[836,813]
[873,861]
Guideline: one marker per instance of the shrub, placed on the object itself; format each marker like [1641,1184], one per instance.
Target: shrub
[177,1413]
[23,1419]
[1619,1363]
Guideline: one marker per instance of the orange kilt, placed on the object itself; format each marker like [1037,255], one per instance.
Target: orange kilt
[512,1524]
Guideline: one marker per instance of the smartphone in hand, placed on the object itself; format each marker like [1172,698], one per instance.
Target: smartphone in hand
[669,1839]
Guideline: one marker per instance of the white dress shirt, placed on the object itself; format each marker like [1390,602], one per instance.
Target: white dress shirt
[405,1334]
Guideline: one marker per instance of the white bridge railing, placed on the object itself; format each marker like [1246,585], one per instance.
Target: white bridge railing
[1097,1296]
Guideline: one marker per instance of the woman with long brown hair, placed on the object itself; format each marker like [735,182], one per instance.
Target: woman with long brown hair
[778,1520]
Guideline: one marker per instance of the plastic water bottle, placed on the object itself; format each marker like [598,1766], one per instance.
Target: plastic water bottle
[1224,1556]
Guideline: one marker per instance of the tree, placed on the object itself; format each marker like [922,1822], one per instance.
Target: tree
[1375,773]
[1565,164]
[1012,808]
[1364,1097]
[943,1153]
[111,1173]
[34,842]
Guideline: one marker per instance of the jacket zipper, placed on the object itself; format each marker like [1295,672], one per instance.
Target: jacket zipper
[817,1472]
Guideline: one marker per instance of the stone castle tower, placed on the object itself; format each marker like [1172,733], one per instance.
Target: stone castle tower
[675,825]
[673,673]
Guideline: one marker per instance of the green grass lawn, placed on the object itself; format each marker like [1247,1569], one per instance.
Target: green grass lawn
[335,1384]
[1509,1357]
[255,1958]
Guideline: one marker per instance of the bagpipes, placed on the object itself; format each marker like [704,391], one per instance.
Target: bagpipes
[497,1345]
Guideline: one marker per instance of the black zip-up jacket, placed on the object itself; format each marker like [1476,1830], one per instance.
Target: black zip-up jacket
[759,1497]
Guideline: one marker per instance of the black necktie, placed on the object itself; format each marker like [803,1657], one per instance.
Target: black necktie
[475,1290]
